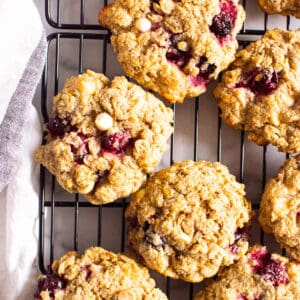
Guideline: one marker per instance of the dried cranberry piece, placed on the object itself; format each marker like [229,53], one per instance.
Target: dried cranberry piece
[275,272]
[50,283]
[58,127]
[242,234]
[178,57]
[242,297]
[209,70]
[81,151]
[221,25]
[87,270]
[116,142]
[205,68]
[261,81]
[269,268]
[264,83]
[155,241]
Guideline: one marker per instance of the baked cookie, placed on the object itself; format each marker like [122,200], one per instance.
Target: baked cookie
[258,275]
[280,207]
[283,7]
[189,220]
[174,47]
[97,274]
[260,93]
[104,137]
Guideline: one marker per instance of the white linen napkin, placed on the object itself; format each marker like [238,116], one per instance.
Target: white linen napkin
[22,55]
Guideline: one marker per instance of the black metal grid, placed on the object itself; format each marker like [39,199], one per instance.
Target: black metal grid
[56,22]
[48,183]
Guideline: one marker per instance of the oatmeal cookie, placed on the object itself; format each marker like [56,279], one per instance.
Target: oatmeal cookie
[260,93]
[257,275]
[189,220]
[280,207]
[283,7]
[174,47]
[104,136]
[97,274]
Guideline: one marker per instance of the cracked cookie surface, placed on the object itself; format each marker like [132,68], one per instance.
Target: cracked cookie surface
[189,220]
[257,275]
[97,274]
[104,136]
[283,7]
[172,47]
[260,93]
[280,207]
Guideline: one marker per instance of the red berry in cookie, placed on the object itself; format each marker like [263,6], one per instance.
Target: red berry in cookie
[50,283]
[104,136]
[261,81]
[161,43]
[116,141]
[257,275]
[97,274]
[259,93]
[270,268]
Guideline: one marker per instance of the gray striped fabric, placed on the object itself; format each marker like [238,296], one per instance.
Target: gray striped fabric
[12,126]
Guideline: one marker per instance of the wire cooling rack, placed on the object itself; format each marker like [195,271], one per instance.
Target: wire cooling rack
[69,222]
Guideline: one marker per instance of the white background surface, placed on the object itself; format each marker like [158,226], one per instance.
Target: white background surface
[184,135]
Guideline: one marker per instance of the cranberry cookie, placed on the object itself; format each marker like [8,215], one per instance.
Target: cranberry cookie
[104,137]
[174,47]
[189,220]
[260,93]
[257,275]
[280,207]
[283,7]
[97,274]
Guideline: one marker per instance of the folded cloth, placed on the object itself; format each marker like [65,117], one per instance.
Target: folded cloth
[22,55]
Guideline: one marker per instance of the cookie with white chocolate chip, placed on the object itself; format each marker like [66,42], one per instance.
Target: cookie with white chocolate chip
[280,207]
[97,274]
[104,137]
[260,92]
[189,220]
[173,47]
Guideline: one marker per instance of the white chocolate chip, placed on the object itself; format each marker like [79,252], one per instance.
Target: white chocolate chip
[87,87]
[142,24]
[104,121]
[288,100]
[166,6]
[183,46]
